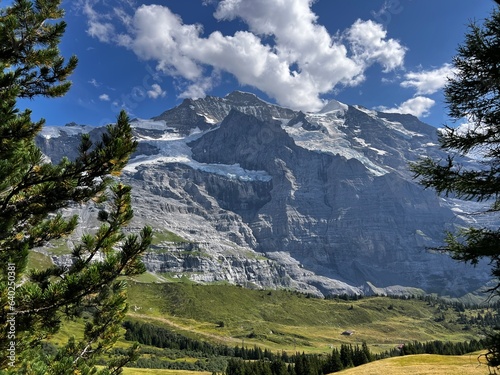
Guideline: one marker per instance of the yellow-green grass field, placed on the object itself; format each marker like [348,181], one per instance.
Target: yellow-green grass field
[423,364]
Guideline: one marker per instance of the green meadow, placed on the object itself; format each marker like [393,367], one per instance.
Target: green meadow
[290,321]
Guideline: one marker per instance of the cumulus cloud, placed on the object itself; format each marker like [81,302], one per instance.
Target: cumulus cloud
[285,52]
[200,87]
[156,91]
[104,97]
[418,106]
[430,81]
[425,82]
[369,43]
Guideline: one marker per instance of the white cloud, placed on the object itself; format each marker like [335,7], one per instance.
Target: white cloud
[104,97]
[94,82]
[425,83]
[117,106]
[200,87]
[369,44]
[98,26]
[430,81]
[418,106]
[156,91]
[102,31]
[285,53]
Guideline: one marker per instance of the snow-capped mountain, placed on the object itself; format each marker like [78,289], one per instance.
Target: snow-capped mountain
[321,202]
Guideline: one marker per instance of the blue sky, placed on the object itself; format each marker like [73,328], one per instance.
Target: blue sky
[146,57]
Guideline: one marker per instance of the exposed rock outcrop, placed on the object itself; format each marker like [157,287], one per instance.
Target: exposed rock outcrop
[320,202]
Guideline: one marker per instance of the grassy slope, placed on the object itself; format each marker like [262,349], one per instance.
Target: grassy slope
[424,364]
[282,320]
[38,260]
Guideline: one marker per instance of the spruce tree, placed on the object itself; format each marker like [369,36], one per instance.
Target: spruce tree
[474,94]
[32,194]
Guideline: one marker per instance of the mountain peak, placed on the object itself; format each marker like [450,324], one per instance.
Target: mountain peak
[334,105]
[327,197]
[244,98]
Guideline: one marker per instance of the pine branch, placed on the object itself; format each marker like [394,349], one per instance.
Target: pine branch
[31,190]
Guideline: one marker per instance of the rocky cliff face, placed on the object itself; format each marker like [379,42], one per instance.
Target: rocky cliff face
[321,202]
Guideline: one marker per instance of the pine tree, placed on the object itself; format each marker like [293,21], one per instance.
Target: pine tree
[334,364]
[278,367]
[473,93]
[32,194]
[366,351]
[346,356]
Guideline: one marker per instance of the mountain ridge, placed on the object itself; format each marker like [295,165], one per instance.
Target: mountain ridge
[325,198]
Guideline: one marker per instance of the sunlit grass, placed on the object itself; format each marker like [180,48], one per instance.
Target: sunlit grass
[166,236]
[283,320]
[423,364]
[38,261]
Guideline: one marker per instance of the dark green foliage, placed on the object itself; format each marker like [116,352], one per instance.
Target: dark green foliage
[243,360]
[333,362]
[442,348]
[347,356]
[473,94]
[32,194]
[149,334]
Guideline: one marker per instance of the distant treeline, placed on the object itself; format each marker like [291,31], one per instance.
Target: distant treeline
[149,334]
[439,347]
[247,361]
[429,298]
[345,357]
